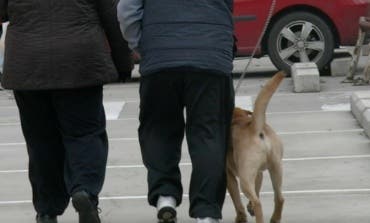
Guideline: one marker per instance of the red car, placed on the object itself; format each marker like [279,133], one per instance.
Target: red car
[299,30]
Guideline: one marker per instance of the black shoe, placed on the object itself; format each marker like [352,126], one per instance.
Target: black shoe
[46,219]
[87,210]
[166,215]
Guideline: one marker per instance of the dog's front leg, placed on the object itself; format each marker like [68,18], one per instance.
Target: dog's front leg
[233,188]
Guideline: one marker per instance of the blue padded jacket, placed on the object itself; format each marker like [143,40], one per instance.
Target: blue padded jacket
[181,33]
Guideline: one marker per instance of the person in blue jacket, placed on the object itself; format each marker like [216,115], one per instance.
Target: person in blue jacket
[186,50]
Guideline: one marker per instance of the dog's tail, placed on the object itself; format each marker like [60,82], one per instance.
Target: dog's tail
[263,98]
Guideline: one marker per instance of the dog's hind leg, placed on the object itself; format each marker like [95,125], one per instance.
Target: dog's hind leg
[233,188]
[276,174]
[249,189]
[259,179]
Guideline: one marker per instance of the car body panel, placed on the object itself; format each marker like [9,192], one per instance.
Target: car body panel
[250,18]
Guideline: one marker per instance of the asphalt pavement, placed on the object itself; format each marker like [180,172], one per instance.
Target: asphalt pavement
[326,159]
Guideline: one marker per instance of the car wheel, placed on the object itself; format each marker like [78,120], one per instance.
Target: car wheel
[300,37]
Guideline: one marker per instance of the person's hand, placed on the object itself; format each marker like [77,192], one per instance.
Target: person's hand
[136,55]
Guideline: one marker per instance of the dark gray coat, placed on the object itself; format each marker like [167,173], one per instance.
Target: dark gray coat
[61,44]
[187,33]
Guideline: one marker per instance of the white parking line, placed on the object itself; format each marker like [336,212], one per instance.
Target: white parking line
[246,105]
[23,143]
[189,164]
[9,107]
[10,123]
[13,171]
[293,192]
[104,102]
[124,139]
[114,108]
[282,94]
[13,144]
[327,158]
[336,107]
[112,117]
[127,119]
[133,101]
[329,131]
[305,112]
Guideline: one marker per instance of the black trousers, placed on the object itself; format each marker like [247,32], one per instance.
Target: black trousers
[209,100]
[67,144]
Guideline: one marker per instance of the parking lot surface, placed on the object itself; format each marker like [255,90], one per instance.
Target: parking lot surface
[326,159]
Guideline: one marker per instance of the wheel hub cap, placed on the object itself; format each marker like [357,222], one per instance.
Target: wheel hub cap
[300,44]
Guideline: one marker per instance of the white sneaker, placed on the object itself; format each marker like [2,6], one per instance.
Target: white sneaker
[207,220]
[166,209]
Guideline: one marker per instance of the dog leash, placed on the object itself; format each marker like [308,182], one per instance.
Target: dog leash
[268,19]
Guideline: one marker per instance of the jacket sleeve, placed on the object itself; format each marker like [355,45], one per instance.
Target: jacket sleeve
[230,4]
[121,54]
[3,11]
[130,14]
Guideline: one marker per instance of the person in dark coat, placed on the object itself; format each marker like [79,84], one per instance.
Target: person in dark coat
[186,50]
[58,55]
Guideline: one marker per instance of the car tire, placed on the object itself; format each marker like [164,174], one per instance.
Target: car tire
[300,37]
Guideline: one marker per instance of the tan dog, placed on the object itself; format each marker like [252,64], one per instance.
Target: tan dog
[254,148]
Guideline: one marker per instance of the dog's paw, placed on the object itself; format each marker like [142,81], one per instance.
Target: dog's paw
[241,219]
[250,209]
[274,221]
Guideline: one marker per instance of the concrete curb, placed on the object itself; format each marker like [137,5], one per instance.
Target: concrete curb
[340,65]
[360,107]
[306,77]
